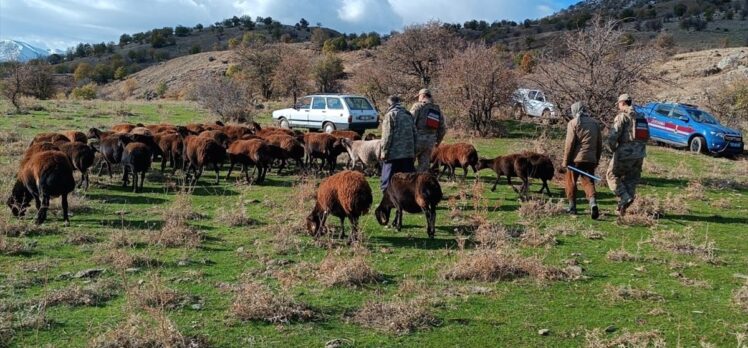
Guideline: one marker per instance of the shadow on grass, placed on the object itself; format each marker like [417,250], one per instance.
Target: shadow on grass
[715,219]
[416,242]
[123,199]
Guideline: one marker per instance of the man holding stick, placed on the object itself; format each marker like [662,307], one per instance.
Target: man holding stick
[582,151]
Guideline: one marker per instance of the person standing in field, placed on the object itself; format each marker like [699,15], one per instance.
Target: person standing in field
[431,126]
[627,140]
[582,150]
[398,141]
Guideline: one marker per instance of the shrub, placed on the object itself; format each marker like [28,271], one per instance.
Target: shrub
[87,92]
[254,301]
[229,99]
[347,271]
[161,89]
[399,317]
[327,72]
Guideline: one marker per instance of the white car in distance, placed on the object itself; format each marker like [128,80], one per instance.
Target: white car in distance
[329,112]
[532,102]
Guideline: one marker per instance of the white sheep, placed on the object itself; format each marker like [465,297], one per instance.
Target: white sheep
[365,152]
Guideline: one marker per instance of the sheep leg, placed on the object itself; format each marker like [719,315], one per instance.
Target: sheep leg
[496,183]
[231,168]
[282,165]
[142,180]
[198,173]
[124,176]
[134,181]
[465,172]
[354,229]
[163,163]
[427,212]
[399,219]
[101,167]
[84,174]
[218,174]
[65,216]
[342,227]
[41,215]
[322,225]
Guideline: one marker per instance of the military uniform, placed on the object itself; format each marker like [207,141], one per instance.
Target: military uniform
[398,143]
[625,167]
[582,150]
[428,137]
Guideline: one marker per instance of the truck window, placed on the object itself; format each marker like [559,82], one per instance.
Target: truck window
[334,104]
[663,110]
[318,103]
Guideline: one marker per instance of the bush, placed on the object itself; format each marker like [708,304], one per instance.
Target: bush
[195,49]
[120,73]
[161,89]
[327,73]
[86,92]
[229,99]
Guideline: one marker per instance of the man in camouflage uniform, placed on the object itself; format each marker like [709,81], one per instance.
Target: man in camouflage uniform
[398,141]
[429,134]
[583,147]
[625,167]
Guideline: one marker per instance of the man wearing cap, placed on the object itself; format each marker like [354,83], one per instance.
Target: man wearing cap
[582,150]
[398,141]
[629,147]
[430,124]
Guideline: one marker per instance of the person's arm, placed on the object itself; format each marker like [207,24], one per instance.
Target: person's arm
[615,133]
[569,143]
[599,145]
[386,134]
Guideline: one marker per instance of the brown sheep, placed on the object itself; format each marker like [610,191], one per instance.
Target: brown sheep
[253,152]
[55,138]
[161,128]
[501,165]
[124,128]
[95,133]
[346,134]
[136,158]
[82,157]
[323,146]
[110,149]
[236,131]
[346,195]
[273,130]
[141,131]
[292,147]
[451,156]
[74,136]
[170,145]
[45,175]
[533,165]
[414,193]
[195,128]
[199,152]
[218,125]
[35,148]
[218,135]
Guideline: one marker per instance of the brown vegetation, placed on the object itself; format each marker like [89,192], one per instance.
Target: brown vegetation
[254,301]
[398,317]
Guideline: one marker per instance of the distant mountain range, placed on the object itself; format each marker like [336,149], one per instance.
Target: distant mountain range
[21,51]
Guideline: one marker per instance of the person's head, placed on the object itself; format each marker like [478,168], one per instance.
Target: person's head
[393,100]
[424,95]
[578,109]
[624,102]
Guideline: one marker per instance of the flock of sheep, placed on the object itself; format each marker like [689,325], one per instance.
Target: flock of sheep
[47,166]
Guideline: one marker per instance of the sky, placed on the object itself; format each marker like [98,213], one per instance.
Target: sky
[60,24]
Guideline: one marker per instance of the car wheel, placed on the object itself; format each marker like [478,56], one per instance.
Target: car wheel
[283,123]
[697,145]
[328,127]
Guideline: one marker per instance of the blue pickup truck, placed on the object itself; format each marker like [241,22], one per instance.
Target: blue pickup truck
[685,126]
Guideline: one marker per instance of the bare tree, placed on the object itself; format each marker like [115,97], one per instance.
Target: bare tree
[420,51]
[258,62]
[327,72]
[595,65]
[291,76]
[376,81]
[15,75]
[474,83]
[230,99]
[39,82]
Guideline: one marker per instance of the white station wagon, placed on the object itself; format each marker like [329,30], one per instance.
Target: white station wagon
[329,112]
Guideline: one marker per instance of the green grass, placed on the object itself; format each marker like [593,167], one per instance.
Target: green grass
[509,314]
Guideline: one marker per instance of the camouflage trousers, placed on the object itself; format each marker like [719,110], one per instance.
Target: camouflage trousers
[424,147]
[623,176]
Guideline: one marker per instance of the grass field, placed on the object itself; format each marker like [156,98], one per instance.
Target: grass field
[194,265]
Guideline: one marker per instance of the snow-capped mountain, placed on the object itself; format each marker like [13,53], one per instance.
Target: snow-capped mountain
[20,51]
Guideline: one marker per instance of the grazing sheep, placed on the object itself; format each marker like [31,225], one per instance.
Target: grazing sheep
[253,152]
[82,157]
[111,149]
[218,135]
[366,153]
[236,131]
[323,146]
[124,128]
[346,134]
[95,133]
[141,131]
[501,165]
[199,152]
[273,130]
[35,148]
[76,136]
[136,158]
[195,128]
[345,194]
[218,125]
[533,165]
[161,128]
[414,193]
[55,138]
[45,175]
[170,145]
[451,156]
[292,149]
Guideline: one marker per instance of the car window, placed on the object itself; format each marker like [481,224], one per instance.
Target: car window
[318,103]
[663,110]
[678,113]
[702,116]
[540,97]
[532,95]
[334,103]
[358,103]
[305,102]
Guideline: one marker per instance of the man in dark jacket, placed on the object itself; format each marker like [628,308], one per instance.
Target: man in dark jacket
[431,126]
[398,141]
[582,150]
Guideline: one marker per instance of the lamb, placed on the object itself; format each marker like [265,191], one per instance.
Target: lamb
[111,149]
[82,157]
[170,145]
[217,135]
[533,165]
[414,193]
[346,134]
[501,165]
[367,153]
[136,158]
[76,136]
[454,155]
[324,146]
[199,152]
[45,175]
[55,138]
[345,194]
[253,152]
[292,149]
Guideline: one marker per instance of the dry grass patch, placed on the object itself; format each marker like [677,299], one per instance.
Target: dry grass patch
[535,238]
[695,190]
[690,282]
[122,260]
[504,264]
[721,203]
[536,208]
[740,297]
[11,227]
[685,243]
[254,301]
[628,293]
[93,294]
[155,295]
[645,211]
[340,270]
[621,255]
[13,247]
[398,317]
[149,330]
[80,238]
[491,235]
[597,339]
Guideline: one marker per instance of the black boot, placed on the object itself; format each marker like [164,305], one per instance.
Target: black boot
[572,209]
[594,210]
